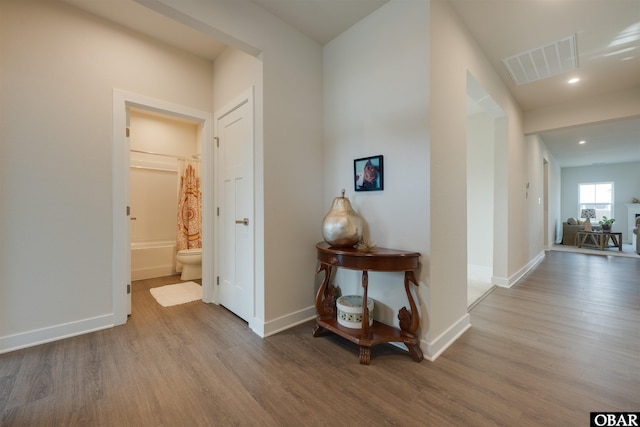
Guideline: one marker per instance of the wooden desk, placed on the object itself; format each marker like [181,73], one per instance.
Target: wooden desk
[379,259]
[599,239]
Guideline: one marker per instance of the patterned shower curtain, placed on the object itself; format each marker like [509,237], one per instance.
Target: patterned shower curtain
[189,205]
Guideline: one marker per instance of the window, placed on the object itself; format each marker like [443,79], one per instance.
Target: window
[598,196]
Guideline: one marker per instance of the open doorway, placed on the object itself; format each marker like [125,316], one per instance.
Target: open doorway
[545,201]
[484,135]
[165,177]
[124,103]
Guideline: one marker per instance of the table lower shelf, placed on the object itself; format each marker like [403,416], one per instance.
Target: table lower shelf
[379,333]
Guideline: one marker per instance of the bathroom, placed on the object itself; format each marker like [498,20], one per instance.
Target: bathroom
[163,148]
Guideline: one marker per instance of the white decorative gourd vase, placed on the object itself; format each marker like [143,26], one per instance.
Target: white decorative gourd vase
[341,226]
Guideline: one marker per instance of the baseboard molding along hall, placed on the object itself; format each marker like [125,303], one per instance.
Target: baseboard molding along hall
[54,333]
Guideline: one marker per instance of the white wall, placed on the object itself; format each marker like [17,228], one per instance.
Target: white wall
[555,197]
[288,154]
[480,191]
[376,94]
[626,178]
[538,153]
[453,55]
[362,93]
[610,106]
[154,204]
[234,72]
[154,179]
[59,68]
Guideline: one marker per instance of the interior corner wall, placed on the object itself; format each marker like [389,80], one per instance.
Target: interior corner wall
[381,107]
[291,149]
[555,197]
[234,72]
[538,153]
[453,54]
[56,196]
[554,194]
[3,177]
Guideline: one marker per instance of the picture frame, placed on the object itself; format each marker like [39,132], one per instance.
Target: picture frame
[368,173]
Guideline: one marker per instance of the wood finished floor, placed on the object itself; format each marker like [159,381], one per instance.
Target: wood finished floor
[562,342]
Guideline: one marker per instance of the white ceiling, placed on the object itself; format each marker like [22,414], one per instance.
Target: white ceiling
[607,37]
[321,20]
[608,45]
[143,20]
[598,137]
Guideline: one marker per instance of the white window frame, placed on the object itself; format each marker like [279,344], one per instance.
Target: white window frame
[593,205]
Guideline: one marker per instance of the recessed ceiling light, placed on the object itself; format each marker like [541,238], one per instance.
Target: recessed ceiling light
[582,142]
[574,80]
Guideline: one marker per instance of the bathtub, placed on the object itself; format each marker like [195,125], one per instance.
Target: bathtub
[153,259]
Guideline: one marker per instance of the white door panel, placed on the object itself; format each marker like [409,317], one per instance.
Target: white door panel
[128,222]
[235,139]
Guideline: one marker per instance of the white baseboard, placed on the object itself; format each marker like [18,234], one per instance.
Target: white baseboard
[272,327]
[513,279]
[436,347]
[54,333]
[431,350]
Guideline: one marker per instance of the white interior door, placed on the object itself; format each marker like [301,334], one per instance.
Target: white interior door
[128,222]
[236,216]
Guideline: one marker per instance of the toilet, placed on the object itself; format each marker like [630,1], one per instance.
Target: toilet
[191,260]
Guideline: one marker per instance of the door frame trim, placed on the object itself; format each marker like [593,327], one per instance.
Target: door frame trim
[120,180]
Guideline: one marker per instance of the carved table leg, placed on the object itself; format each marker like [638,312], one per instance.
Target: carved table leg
[415,352]
[325,298]
[365,355]
[409,321]
[365,308]
[318,331]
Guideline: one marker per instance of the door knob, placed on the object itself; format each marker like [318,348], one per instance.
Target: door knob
[243,221]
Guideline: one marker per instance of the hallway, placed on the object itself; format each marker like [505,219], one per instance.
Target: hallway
[562,342]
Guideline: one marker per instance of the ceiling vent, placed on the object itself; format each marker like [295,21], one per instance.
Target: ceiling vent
[546,61]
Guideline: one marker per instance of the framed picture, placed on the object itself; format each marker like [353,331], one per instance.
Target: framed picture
[368,174]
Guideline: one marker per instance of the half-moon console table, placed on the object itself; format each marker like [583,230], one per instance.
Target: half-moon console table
[378,259]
